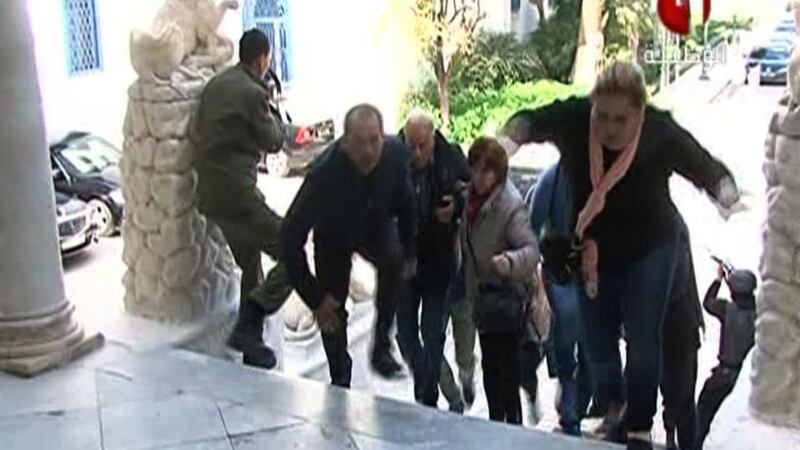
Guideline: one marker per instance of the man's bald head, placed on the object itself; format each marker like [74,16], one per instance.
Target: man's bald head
[363,137]
[420,136]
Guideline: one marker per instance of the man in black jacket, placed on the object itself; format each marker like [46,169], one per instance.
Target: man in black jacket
[438,171]
[356,198]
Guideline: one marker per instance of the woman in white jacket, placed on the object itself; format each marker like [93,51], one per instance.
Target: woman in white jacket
[500,254]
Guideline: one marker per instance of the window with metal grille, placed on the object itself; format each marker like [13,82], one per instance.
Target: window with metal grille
[272,17]
[83,40]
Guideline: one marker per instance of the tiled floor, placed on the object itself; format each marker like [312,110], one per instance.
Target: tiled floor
[180,400]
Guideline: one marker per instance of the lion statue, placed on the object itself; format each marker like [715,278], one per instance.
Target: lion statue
[183,36]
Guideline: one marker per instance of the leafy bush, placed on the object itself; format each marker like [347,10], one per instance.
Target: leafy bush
[555,41]
[475,110]
[496,60]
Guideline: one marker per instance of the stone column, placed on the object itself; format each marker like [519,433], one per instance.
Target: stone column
[37,330]
[775,397]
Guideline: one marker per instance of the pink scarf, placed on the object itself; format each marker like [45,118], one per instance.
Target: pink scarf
[602,183]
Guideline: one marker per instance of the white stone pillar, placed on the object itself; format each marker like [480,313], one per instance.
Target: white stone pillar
[37,330]
[775,397]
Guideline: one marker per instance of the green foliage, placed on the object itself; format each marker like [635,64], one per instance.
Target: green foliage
[555,41]
[718,29]
[496,60]
[627,25]
[475,110]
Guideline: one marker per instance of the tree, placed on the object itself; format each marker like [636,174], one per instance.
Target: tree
[446,30]
[539,4]
[589,54]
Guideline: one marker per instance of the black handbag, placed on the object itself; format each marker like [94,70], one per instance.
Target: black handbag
[499,306]
[560,256]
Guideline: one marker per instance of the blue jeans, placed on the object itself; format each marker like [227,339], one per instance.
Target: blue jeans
[425,357]
[570,353]
[634,296]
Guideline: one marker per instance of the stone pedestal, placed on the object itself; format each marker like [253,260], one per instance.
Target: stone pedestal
[179,264]
[775,396]
[180,269]
[37,329]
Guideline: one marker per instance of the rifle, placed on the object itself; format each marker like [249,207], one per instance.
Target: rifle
[727,268]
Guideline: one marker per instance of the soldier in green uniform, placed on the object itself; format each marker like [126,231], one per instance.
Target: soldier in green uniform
[233,125]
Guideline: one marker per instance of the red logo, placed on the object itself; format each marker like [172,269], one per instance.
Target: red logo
[674,14]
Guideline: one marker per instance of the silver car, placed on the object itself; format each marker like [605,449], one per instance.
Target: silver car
[76,231]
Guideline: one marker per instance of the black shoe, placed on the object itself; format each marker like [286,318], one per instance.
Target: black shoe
[637,444]
[457,407]
[247,337]
[468,391]
[671,443]
[385,364]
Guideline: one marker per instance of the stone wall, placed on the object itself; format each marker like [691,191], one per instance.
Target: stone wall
[775,397]
[179,266]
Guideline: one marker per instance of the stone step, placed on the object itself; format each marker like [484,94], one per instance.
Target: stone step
[260,408]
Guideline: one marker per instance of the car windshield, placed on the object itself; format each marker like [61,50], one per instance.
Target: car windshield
[776,54]
[91,154]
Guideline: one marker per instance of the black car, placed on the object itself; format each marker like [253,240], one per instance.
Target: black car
[87,167]
[76,232]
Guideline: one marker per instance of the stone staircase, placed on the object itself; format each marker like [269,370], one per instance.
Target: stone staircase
[175,399]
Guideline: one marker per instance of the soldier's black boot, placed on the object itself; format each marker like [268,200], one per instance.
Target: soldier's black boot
[247,336]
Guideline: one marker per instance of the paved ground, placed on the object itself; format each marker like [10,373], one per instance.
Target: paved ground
[733,127]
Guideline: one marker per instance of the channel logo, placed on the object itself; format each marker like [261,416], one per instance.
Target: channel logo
[676,16]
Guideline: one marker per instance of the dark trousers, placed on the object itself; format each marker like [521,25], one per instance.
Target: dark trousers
[678,389]
[425,357]
[680,344]
[501,376]
[716,388]
[530,358]
[635,296]
[572,362]
[333,264]
[248,237]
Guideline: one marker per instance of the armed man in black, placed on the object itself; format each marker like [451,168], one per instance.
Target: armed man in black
[356,199]
[737,337]
[233,125]
[438,171]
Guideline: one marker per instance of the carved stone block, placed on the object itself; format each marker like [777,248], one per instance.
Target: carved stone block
[173,156]
[778,336]
[149,217]
[180,269]
[174,193]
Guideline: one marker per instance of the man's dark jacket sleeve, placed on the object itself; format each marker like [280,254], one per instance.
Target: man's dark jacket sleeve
[403,208]
[712,304]
[299,221]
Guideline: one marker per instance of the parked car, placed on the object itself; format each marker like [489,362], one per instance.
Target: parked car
[76,232]
[772,62]
[87,167]
[302,144]
[786,27]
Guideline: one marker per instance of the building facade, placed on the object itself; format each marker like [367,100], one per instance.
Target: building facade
[330,55]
